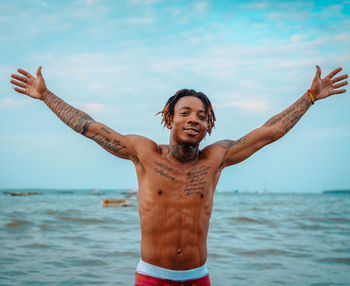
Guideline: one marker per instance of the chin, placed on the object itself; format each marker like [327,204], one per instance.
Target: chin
[192,140]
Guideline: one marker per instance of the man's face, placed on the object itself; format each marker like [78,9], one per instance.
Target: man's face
[189,123]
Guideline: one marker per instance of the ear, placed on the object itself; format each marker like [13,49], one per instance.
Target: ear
[169,125]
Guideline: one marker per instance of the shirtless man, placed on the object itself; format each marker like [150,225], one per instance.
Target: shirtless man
[177,181]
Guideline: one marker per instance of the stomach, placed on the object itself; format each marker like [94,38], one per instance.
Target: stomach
[173,238]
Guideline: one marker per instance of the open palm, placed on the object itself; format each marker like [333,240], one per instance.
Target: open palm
[29,85]
[322,88]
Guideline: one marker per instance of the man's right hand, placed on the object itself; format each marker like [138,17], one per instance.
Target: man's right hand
[31,86]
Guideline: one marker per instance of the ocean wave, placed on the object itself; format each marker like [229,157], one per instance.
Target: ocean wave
[18,223]
[342,260]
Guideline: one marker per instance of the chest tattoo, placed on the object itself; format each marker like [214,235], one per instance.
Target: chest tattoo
[196,181]
[163,170]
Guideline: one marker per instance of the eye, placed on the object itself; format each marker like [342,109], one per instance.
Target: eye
[184,113]
[201,117]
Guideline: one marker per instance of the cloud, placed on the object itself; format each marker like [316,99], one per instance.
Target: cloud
[141,20]
[143,2]
[200,7]
[12,102]
[247,105]
[96,108]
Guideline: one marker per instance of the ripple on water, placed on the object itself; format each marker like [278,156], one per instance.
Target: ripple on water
[15,214]
[311,227]
[329,220]
[62,212]
[36,245]
[343,260]
[82,220]
[48,227]
[247,220]
[18,223]
[87,262]
[264,252]
[264,265]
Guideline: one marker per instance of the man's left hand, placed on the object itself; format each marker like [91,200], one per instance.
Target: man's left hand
[324,87]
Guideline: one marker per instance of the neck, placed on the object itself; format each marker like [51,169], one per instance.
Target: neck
[184,152]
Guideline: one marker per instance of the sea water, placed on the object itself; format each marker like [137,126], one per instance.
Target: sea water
[68,238]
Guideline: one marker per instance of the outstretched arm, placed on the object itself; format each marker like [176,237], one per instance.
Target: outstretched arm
[280,124]
[78,120]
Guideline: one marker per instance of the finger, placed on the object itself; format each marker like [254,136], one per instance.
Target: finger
[339,78]
[318,71]
[333,73]
[18,83]
[20,90]
[340,84]
[27,74]
[21,78]
[339,91]
[38,72]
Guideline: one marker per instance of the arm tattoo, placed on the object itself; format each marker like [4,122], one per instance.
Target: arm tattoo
[227,144]
[289,117]
[78,120]
[111,145]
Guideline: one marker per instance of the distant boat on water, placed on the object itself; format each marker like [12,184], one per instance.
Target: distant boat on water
[65,192]
[336,192]
[17,194]
[116,203]
[96,192]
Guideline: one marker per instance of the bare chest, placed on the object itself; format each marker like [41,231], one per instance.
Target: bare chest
[185,185]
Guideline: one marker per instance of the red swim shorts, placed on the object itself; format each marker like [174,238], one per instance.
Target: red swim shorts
[145,280]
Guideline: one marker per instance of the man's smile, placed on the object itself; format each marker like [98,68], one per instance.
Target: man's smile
[191,130]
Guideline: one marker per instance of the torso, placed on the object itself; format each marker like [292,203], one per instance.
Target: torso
[175,204]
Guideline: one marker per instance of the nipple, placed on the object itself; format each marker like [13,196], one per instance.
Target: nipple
[159,191]
[179,251]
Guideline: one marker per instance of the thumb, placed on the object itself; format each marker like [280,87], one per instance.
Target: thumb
[38,72]
[318,71]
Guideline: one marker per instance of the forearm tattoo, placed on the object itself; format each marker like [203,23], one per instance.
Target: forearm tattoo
[289,117]
[78,120]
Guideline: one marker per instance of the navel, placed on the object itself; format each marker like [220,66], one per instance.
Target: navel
[202,196]
[179,251]
[159,191]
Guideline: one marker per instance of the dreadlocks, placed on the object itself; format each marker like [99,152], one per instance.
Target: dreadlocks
[168,110]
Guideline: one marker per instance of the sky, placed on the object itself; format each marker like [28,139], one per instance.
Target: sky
[120,61]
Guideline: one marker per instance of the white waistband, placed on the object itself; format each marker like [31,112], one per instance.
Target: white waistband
[176,275]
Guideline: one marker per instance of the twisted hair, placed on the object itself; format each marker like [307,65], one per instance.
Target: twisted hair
[168,110]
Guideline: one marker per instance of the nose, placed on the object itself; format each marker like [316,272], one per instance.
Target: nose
[192,119]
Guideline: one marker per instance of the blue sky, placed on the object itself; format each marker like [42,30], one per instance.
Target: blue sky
[120,61]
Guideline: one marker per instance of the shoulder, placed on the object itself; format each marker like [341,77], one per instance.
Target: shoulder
[142,145]
[220,146]
[214,154]
[220,150]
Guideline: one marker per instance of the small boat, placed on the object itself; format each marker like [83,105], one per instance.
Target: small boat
[96,192]
[15,194]
[21,194]
[116,203]
[130,193]
[65,192]
[33,193]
